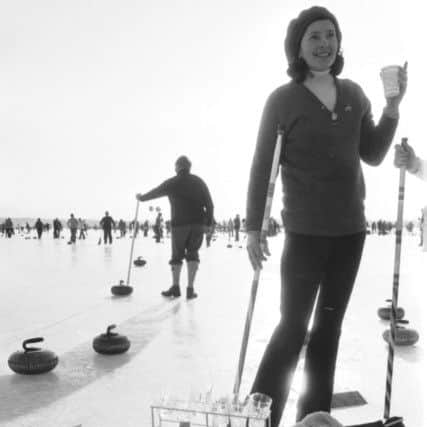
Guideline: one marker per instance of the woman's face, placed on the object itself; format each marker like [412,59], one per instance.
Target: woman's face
[319,45]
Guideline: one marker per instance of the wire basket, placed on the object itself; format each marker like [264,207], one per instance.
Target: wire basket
[192,414]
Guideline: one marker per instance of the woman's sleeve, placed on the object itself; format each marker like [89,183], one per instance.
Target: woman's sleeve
[375,140]
[261,166]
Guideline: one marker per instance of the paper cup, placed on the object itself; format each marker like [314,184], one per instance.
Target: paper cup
[390,77]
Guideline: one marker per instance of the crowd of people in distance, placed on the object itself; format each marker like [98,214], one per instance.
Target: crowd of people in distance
[161,228]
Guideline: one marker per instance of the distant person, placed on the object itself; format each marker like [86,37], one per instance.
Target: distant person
[107,223]
[158,227]
[191,212]
[8,227]
[39,228]
[82,229]
[122,228]
[236,226]
[73,225]
[145,227]
[404,156]
[328,132]
[230,228]
[57,227]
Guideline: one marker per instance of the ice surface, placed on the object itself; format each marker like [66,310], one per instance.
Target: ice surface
[62,293]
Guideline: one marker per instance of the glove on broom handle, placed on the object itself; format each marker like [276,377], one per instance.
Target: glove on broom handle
[396,274]
[255,281]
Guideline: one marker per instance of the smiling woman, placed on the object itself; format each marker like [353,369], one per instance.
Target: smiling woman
[328,130]
[319,45]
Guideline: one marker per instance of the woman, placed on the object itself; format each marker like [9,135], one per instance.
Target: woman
[328,129]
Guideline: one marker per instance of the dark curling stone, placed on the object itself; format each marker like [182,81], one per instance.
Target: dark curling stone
[403,336]
[140,262]
[32,360]
[111,342]
[121,289]
[385,312]
[229,245]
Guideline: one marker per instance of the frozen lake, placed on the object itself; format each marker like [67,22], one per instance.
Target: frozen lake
[62,293]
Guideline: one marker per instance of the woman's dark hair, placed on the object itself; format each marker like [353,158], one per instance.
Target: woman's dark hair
[298,69]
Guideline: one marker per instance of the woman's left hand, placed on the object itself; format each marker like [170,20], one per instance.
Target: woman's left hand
[403,82]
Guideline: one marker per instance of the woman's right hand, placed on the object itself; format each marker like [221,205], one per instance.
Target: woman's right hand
[257,248]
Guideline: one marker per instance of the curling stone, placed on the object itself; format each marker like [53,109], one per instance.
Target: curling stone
[32,360]
[385,312]
[111,342]
[229,245]
[403,336]
[121,289]
[140,262]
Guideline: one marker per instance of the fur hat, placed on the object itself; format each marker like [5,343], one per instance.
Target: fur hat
[298,26]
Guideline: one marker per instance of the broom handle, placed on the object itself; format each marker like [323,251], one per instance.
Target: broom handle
[133,242]
[398,245]
[255,281]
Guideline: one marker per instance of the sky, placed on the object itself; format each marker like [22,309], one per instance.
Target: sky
[99,97]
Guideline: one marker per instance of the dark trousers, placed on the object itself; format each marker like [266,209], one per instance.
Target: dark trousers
[186,241]
[73,235]
[310,265]
[107,236]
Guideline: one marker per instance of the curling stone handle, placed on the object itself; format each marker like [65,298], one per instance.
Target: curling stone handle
[402,321]
[109,333]
[31,341]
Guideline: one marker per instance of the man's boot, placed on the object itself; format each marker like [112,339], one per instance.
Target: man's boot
[174,290]
[192,267]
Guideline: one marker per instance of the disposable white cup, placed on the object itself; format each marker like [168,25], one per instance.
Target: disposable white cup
[390,78]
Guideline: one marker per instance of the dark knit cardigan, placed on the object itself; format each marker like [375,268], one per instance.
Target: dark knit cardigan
[323,184]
